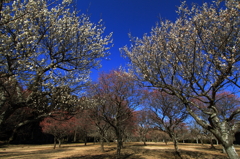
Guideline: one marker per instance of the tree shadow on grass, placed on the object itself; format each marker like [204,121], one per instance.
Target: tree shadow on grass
[208,148]
[5,153]
[161,154]
[3,146]
[110,149]
[201,155]
[73,145]
[106,156]
[171,154]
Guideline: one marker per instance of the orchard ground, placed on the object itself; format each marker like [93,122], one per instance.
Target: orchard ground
[133,150]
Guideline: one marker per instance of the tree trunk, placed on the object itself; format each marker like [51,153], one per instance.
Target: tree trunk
[222,131]
[211,141]
[231,152]
[108,143]
[144,140]
[12,135]
[119,147]
[175,142]
[102,144]
[85,138]
[59,143]
[55,142]
[223,149]
[144,143]
[75,136]
[201,141]
[85,142]
[166,142]
[227,137]
[197,140]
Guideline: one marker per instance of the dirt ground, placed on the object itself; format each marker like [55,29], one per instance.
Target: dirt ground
[130,151]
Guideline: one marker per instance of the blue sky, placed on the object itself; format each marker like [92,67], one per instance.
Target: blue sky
[128,16]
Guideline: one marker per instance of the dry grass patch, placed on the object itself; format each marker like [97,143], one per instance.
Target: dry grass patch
[130,151]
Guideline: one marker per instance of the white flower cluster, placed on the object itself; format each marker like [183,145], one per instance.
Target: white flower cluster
[46,45]
[200,48]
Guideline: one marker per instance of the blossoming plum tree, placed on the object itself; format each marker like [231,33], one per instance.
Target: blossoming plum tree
[195,57]
[45,46]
